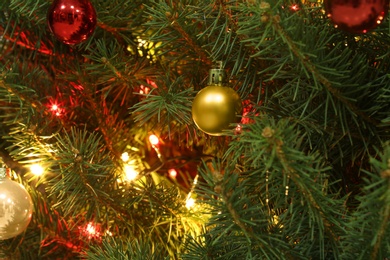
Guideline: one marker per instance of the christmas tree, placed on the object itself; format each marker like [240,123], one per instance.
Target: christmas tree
[195,129]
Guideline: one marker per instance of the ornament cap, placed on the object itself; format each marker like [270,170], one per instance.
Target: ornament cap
[217,75]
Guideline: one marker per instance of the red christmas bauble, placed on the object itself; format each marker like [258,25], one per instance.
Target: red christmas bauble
[72,21]
[356,16]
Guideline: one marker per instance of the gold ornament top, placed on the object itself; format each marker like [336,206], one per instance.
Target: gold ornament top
[216,106]
[217,75]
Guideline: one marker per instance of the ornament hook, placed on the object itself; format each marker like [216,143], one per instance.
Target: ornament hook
[217,75]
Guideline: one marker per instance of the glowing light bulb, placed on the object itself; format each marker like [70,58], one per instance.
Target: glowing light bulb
[294,7]
[238,129]
[153,139]
[125,156]
[151,83]
[56,109]
[172,173]
[195,180]
[37,169]
[190,203]
[144,90]
[130,172]
[91,231]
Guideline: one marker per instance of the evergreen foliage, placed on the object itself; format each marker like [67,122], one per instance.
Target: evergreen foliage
[304,175]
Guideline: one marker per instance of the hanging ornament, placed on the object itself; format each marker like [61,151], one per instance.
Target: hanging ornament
[216,106]
[72,21]
[15,207]
[356,16]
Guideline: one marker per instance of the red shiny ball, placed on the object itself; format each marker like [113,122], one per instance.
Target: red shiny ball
[72,21]
[356,16]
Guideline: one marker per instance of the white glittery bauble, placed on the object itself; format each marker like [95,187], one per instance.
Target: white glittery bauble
[15,208]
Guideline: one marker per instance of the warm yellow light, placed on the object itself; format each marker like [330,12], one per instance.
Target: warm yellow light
[125,156]
[130,172]
[37,169]
[91,229]
[153,139]
[190,203]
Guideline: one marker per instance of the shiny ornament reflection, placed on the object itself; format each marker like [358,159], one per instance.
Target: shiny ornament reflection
[72,21]
[215,108]
[15,208]
[356,16]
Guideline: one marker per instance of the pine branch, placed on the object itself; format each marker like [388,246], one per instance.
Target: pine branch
[122,76]
[275,163]
[368,230]
[34,12]
[317,101]
[306,190]
[170,19]
[323,80]
[170,106]
[239,224]
[23,97]
[125,249]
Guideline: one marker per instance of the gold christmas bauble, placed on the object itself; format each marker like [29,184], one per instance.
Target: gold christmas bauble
[215,108]
[15,208]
